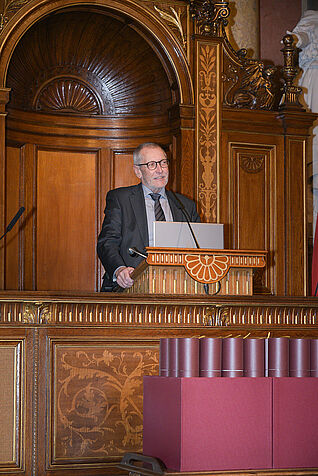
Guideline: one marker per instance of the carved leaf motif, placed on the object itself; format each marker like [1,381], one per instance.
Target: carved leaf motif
[99,400]
[174,19]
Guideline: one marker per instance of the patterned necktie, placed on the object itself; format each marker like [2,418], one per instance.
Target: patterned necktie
[159,214]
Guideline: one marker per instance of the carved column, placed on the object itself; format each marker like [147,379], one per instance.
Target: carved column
[4,99]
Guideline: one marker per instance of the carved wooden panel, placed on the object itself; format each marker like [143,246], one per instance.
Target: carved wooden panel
[123,174]
[296,218]
[96,405]
[13,242]
[66,220]
[87,63]
[252,179]
[11,404]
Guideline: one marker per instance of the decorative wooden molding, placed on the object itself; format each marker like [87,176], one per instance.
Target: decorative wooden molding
[249,313]
[9,9]
[206,266]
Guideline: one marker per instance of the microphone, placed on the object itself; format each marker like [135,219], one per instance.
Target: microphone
[134,252]
[13,221]
[186,216]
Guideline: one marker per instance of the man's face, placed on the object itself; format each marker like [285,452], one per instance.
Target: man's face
[153,179]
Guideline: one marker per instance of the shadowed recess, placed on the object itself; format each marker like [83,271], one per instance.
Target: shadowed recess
[87,63]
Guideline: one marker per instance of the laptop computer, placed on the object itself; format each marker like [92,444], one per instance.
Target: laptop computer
[174,234]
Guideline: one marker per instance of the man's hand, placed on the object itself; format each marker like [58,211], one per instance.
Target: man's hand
[123,276]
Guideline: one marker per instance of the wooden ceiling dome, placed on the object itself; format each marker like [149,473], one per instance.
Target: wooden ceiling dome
[88,62]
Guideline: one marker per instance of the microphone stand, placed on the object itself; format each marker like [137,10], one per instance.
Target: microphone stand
[185,214]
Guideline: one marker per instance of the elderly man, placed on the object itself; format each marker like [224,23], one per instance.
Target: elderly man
[131,211]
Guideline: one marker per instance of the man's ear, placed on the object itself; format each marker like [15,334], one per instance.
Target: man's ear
[137,171]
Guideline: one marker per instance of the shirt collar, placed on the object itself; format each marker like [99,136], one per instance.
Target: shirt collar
[147,191]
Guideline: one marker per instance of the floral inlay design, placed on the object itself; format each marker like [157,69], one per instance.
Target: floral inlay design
[207,268]
[207,130]
[98,395]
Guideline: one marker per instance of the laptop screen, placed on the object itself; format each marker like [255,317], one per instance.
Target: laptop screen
[174,234]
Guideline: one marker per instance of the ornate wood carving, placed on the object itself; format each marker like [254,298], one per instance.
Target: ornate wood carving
[290,71]
[177,18]
[9,8]
[69,95]
[207,128]
[68,63]
[210,15]
[255,313]
[252,164]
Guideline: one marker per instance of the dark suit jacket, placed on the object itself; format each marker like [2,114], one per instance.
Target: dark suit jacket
[125,225]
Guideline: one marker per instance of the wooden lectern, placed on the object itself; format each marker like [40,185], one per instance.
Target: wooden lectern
[188,270]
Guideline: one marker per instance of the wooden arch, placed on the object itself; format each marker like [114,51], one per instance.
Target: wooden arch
[157,33]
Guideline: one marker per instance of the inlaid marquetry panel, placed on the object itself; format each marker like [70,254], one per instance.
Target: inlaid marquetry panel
[96,405]
[207,127]
[11,404]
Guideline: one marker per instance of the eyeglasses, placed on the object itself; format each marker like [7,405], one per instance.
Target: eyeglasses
[152,165]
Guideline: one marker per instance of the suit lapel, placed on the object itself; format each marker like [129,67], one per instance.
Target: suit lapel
[176,212]
[137,201]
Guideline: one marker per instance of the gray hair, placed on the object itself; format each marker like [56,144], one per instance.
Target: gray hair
[147,145]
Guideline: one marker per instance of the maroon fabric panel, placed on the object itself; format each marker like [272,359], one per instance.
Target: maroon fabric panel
[314,358]
[162,419]
[209,424]
[232,357]
[254,358]
[295,423]
[278,357]
[164,358]
[210,357]
[173,361]
[299,358]
[188,357]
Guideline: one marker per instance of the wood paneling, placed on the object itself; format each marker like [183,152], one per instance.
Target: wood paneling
[123,174]
[13,251]
[66,220]
[72,367]
[12,414]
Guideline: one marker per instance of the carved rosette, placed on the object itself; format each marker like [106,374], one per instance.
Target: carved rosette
[207,140]
[68,95]
[251,164]
[206,268]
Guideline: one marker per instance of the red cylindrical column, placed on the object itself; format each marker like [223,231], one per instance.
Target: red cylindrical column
[210,357]
[254,352]
[232,357]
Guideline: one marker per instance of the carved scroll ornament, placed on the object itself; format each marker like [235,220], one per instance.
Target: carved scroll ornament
[210,15]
